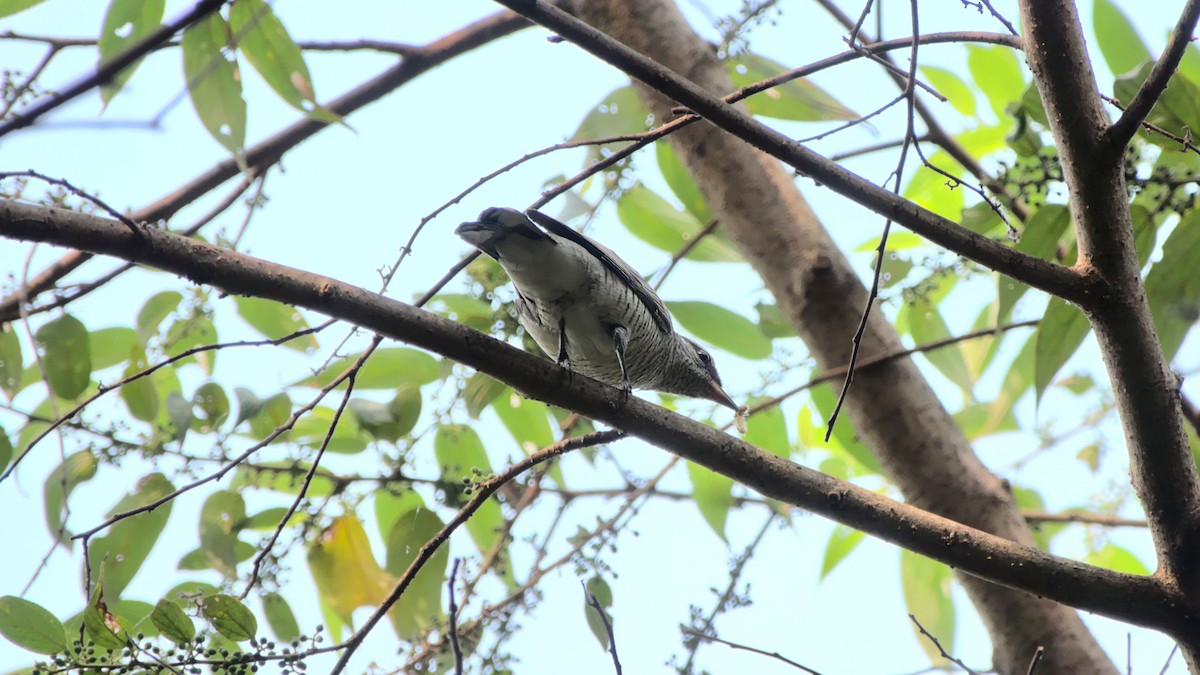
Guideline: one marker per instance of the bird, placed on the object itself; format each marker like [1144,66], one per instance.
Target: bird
[589,310]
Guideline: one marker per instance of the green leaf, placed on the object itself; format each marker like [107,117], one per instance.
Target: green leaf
[285,477]
[101,626]
[933,190]
[75,469]
[6,450]
[680,180]
[130,541]
[927,326]
[348,438]
[420,607]
[772,322]
[170,619]
[189,333]
[275,320]
[927,595]
[280,617]
[1177,109]
[462,459]
[466,309]
[213,404]
[214,82]
[949,85]
[273,414]
[653,220]
[387,368]
[31,626]
[140,395]
[229,617]
[221,519]
[824,397]
[389,421]
[842,540]
[264,41]
[267,519]
[768,430]
[1119,559]
[480,390]
[722,328]
[620,113]
[997,73]
[10,361]
[1145,232]
[152,313]
[798,100]
[111,346]
[10,7]
[179,412]
[1173,287]
[598,588]
[66,355]
[713,494]
[528,421]
[1119,43]
[125,24]
[1041,236]
[196,559]
[1061,331]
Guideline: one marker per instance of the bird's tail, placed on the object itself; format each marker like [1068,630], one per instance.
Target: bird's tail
[497,224]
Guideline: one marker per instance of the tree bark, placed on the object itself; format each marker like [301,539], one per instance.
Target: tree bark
[893,409]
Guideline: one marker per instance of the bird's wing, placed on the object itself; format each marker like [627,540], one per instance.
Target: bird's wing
[610,260]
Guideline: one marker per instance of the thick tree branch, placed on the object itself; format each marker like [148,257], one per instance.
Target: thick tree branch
[1149,601]
[1145,389]
[1122,131]
[267,153]
[1034,271]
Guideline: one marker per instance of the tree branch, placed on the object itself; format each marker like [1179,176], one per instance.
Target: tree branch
[1122,131]
[1029,269]
[1149,601]
[271,151]
[108,69]
[1144,387]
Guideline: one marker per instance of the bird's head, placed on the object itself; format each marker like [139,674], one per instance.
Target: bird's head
[697,375]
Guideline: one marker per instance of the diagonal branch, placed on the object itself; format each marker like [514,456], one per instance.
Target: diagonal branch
[1150,601]
[1122,131]
[1029,269]
[270,151]
[1145,389]
[107,70]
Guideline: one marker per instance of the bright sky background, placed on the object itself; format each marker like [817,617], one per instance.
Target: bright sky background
[347,202]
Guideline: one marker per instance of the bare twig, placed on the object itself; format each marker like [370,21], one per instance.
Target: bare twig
[109,68]
[594,603]
[458,655]
[941,650]
[483,491]
[256,568]
[775,655]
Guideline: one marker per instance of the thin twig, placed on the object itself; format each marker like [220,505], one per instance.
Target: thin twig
[483,491]
[458,655]
[941,650]
[594,603]
[110,67]
[748,648]
[101,390]
[256,568]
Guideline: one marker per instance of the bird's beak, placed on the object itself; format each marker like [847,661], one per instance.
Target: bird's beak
[719,395]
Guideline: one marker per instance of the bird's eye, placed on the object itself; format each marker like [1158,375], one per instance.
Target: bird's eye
[704,357]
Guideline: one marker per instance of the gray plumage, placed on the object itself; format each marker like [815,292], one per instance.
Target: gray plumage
[589,310]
